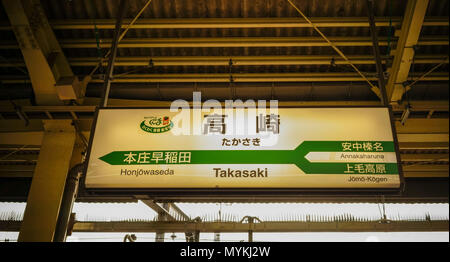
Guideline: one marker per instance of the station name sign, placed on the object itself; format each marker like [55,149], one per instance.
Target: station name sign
[293,148]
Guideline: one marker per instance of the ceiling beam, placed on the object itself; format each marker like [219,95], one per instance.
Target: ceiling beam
[243,60]
[251,77]
[50,73]
[415,126]
[157,208]
[179,212]
[423,174]
[421,170]
[425,168]
[238,77]
[241,42]
[22,138]
[285,226]
[442,105]
[411,124]
[424,145]
[404,53]
[237,60]
[231,42]
[319,224]
[185,23]
[16,170]
[423,137]
[36,49]
[171,213]
[410,157]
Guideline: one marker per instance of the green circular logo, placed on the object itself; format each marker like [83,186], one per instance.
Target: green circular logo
[156,124]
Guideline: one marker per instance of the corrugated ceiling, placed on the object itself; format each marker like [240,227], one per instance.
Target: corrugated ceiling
[107,9]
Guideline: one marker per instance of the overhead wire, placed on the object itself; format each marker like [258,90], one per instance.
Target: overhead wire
[13,152]
[388,51]
[121,36]
[99,50]
[446,60]
[230,71]
[433,160]
[131,71]
[373,87]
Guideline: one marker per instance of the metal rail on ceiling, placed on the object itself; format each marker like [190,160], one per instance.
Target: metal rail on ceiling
[237,60]
[240,77]
[185,23]
[233,42]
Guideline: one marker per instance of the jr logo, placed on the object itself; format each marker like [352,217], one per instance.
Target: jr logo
[155,124]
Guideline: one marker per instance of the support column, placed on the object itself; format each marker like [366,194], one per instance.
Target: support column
[382,85]
[189,237]
[47,187]
[197,236]
[50,73]
[250,229]
[376,52]
[162,217]
[110,69]
[410,31]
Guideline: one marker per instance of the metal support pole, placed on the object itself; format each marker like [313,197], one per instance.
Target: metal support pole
[376,52]
[70,194]
[162,217]
[189,237]
[216,236]
[250,231]
[197,236]
[47,187]
[112,57]
[382,85]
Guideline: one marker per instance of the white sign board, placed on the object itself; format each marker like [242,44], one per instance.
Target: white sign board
[311,148]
